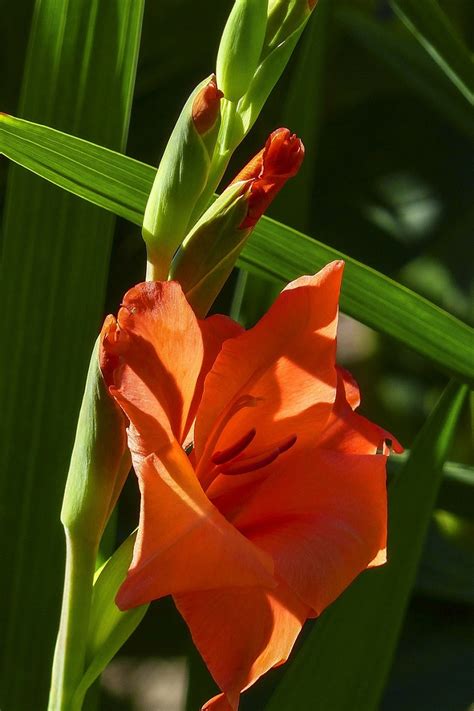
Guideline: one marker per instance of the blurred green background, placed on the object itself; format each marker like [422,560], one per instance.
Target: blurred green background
[388,179]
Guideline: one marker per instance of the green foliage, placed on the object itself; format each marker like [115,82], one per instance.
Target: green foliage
[433,30]
[274,250]
[81,61]
[109,628]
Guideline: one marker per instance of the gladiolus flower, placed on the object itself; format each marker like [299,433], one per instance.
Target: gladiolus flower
[262,491]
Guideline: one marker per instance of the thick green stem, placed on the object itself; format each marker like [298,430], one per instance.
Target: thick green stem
[70,652]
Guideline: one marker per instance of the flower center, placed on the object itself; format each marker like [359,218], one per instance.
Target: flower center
[233,459]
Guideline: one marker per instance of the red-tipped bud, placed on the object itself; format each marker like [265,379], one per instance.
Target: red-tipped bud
[270,169]
[312,4]
[113,343]
[206,105]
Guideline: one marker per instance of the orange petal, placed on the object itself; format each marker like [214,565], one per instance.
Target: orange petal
[183,542]
[241,634]
[215,330]
[155,357]
[351,388]
[347,431]
[286,362]
[322,517]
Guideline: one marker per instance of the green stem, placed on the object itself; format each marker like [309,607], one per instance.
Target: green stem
[70,652]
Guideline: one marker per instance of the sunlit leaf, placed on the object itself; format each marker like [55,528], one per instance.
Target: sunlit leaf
[274,250]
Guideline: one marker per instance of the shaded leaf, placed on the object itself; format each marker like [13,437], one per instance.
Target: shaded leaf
[79,76]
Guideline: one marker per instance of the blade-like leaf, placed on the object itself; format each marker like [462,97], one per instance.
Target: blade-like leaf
[79,76]
[456,493]
[101,176]
[274,250]
[278,251]
[409,61]
[433,30]
[345,660]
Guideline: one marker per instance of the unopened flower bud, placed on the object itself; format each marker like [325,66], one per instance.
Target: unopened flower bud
[284,17]
[240,47]
[100,460]
[181,177]
[206,107]
[209,252]
[269,170]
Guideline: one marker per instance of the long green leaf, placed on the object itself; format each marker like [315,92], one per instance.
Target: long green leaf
[344,662]
[456,494]
[431,27]
[79,77]
[278,251]
[406,58]
[274,250]
[98,174]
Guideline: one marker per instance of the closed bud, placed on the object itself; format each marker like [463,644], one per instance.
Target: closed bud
[269,170]
[100,460]
[240,47]
[181,176]
[284,17]
[210,251]
[206,107]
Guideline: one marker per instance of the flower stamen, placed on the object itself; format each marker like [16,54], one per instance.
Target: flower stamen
[242,465]
[225,455]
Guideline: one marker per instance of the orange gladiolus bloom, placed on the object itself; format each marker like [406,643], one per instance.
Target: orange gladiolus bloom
[280,503]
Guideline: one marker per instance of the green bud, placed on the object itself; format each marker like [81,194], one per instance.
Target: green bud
[208,254]
[100,461]
[181,177]
[240,48]
[286,22]
[284,17]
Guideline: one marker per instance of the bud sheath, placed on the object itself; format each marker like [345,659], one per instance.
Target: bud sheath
[241,45]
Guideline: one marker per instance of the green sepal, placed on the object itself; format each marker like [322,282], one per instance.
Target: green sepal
[100,461]
[209,252]
[109,627]
[180,179]
[240,47]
